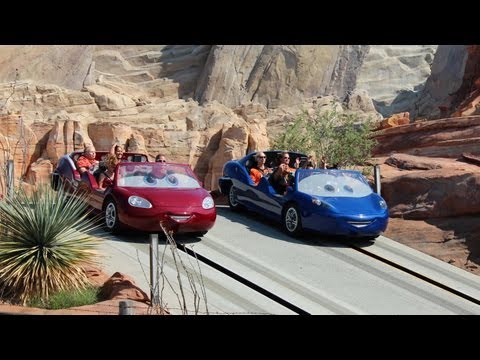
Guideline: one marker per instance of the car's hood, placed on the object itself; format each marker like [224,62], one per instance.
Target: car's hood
[172,197]
[368,205]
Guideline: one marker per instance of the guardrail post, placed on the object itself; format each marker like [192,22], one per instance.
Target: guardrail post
[126,308]
[376,172]
[154,286]
[10,178]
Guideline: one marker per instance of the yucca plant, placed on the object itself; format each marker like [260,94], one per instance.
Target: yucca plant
[44,243]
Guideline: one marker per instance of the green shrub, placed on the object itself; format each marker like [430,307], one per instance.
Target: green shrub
[65,299]
[342,139]
[44,243]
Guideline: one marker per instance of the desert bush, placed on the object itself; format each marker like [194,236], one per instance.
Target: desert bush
[194,278]
[343,139]
[65,299]
[44,243]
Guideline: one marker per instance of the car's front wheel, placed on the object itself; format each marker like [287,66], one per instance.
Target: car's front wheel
[110,214]
[232,199]
[292,223]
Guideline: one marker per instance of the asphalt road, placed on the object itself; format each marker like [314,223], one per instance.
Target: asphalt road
[311,275]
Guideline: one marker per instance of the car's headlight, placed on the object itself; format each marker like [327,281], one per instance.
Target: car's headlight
[382,204]
[137,201]
[317,202]
[321,203]
[208,203]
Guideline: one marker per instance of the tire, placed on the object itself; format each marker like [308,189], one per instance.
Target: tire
[232,199]
[292,222]
[110,216]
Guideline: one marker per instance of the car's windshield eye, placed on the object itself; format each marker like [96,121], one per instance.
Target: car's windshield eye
[330,188]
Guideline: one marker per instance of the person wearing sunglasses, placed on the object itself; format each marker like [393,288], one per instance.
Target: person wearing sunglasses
[160,158]
[281,179]
[285,159]
[259,170]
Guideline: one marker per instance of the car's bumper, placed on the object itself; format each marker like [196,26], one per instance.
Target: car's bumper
[344,226]
[177,222]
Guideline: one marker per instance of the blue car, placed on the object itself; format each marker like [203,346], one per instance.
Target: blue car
[325,201]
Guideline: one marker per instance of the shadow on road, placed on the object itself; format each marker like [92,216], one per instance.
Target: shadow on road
[270,228]
[248,219]
[140,237]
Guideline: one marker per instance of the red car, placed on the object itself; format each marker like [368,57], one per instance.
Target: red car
[68,173]
[146,195]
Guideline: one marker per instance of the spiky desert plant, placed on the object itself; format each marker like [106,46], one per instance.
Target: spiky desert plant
[44,243]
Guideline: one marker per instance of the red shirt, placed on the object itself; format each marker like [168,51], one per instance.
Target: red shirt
[86,163]
[257,174]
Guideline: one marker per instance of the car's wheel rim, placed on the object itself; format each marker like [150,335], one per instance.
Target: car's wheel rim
[291,219]
[110,215]
[232,197]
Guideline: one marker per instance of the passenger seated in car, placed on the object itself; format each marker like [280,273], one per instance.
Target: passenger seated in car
[117,151]
[310,163]
[109,172]
[323,162]
[161,170]
[285,159]
[160,158]
[281,179]
[259,170]
[86,161]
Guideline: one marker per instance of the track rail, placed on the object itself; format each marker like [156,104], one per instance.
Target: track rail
[416,274]
[243,280]
[300,311]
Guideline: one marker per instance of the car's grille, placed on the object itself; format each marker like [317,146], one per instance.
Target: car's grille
[360,224]
[180,218]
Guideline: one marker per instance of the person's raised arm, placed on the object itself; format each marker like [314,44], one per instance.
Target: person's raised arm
[112,150]
[297,162]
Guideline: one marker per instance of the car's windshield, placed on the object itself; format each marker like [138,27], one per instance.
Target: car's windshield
[156,175]
[339,183]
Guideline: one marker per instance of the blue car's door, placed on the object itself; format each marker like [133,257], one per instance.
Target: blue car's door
[264,200]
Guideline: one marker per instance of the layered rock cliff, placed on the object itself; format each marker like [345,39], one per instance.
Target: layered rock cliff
[394,75]
[204,105]
[143,97]
[278,75]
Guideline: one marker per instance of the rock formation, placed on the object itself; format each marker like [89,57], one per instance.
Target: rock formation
[142,97]
[394,75]
[278,75]
[204,105]
[446,78]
